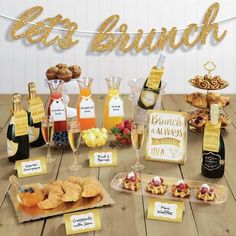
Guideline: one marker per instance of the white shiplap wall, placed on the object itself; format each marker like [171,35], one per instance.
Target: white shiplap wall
[21,62]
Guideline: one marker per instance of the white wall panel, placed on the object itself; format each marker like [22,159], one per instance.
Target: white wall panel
[21,62]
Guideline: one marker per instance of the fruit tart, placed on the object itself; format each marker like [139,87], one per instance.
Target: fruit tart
[157,186]
[131,182]
[205,193]
[180,189]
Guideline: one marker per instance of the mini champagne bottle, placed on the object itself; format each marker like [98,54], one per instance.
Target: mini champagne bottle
[151,88]
[35,132]
[17,132]
[213,153]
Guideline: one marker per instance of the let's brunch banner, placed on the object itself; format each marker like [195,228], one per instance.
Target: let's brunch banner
[114,35]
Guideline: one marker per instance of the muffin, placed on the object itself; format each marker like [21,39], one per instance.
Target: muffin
[51,73]
[76,71]
[64,74]
[62,66]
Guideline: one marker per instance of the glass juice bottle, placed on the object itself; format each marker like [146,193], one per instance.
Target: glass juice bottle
[56,107]
[113,107]
[36,114]
[85,105]
[17,132]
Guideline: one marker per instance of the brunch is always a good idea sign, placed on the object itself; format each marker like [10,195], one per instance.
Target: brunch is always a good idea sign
[167,136]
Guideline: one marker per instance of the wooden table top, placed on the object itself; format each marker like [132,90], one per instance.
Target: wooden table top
[128,215]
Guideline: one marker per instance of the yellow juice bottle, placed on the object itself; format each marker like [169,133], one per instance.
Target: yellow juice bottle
[113,107]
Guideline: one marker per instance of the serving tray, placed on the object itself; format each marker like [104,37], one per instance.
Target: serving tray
[220,190]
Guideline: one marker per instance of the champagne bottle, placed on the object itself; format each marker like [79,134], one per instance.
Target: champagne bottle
[17,132]
[151,88]
[213,154]
[35,132]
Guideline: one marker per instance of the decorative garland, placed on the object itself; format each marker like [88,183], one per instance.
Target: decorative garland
[107,38]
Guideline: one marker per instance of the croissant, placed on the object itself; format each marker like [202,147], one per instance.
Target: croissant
[91,188]
[72,192]
[76,180]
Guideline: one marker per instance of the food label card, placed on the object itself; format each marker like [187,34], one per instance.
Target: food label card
[83,221]
[116,107]
[165,210]
[167,136]
[58,110]
[31,167]
[102,158]
[87,108]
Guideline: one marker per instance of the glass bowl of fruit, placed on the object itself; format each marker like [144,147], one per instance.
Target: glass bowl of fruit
[122,133]
[95,137]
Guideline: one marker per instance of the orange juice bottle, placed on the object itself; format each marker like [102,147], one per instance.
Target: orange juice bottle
[113,108]
[86,106]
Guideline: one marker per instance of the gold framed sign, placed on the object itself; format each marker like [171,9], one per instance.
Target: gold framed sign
[166,136]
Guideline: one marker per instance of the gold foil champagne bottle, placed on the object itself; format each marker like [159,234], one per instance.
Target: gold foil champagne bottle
[35,115]
[213,153]
[17,132]
[151,88]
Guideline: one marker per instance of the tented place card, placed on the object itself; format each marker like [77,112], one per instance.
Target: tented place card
[102,158]
[87,108]
[165,210]
[167,136]
[83,221]
[31,167]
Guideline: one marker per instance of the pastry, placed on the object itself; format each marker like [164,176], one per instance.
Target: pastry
[72,192]
[62,66]
[200,102]
[131,182]
[51,73]
[64,74]
[180,189]
[209,83]
[76,180]
[205,193]
[91,187]
[54,193]
[30,197]
[157,186]
[76,71]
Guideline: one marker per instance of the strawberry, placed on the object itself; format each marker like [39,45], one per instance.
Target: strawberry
[128,124]
[128,140]
[123,141]
[121,125]
[118,137]
[126,131]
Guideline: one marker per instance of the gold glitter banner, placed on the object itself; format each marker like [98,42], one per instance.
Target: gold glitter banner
[112,36]
[163,141]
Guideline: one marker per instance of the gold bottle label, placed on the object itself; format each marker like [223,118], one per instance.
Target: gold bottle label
[21,123]
[211,139]
[11,148]
[36,108]
[148,98]
[33,134]
[154,78]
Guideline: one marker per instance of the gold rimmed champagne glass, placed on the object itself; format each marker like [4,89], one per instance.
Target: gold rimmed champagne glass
[47,126]
[74,140]
[137,137]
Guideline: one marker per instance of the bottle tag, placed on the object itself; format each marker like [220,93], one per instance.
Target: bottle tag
[58,110]
[36,108]
[33,134]
[154,78]
[11,148]
[116,107]
[21,123]
[87,108]
[148,98]
[211,139]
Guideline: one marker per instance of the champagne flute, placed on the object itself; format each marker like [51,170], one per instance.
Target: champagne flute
[74,140]
[47,126]
[137,137]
